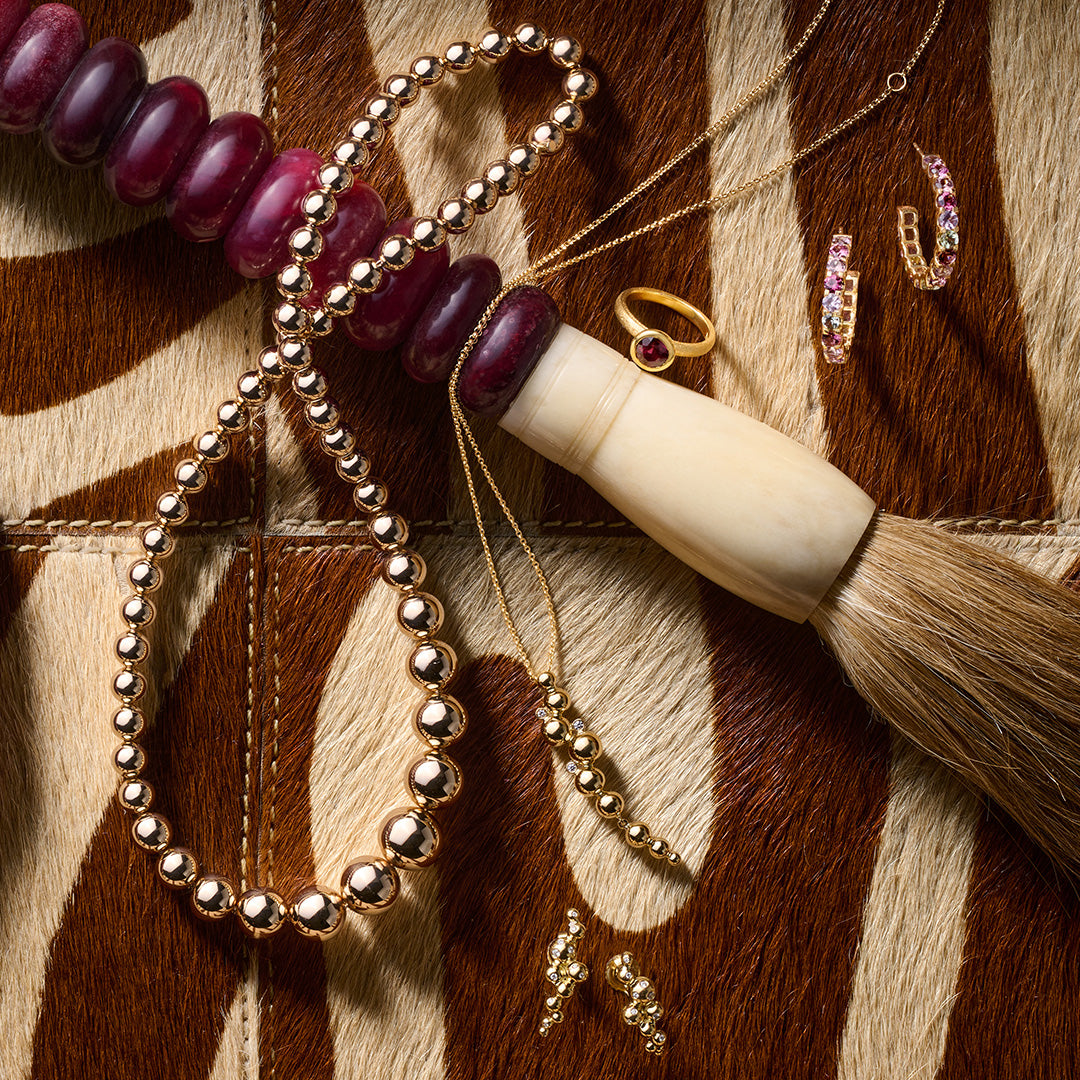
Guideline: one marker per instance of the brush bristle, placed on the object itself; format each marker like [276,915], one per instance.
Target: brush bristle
[976,660]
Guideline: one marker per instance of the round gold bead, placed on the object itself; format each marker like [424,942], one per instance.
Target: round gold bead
[370,496]
[339,441]
[351,153]
[269,367]
[609,804]
[306,243]
[335,178]
[504,176]
[157,541]
[427,69]
[131,648]
[317,914]
[383,108]
[561,948]
[404,89]
[434,779]
[546,680]
[568,116]
[556,730]
[172,508]
[397,252]
[459,56]
[211,446]
[128,685]
[637,834]
[213,897]
[293,280]
[294,353]
[530,38]
[494,46]
[233,415]
[367,131]
[389,530]
[589,782]
[178,868]
[557,699]
[138,611]
[151,831]
[321,323]
[440,720]
[262,912]
[370,885]
[409,838]
[339,301]
[323,413]
[290,318]
[580,84]
[565,51]
[428,234]
[658,848]
[548,137]
[481,194]
[128,721]
[419,614]
[143,574]
[318,207]
[404,569]
[456,215]
[252,387]
[353,467]
[585,747]
[365,276]
[190,475]
[309,383]
[135,795]
[524,158]
[432,664]
[129,760]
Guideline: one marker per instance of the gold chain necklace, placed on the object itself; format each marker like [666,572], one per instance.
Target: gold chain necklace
[585,747]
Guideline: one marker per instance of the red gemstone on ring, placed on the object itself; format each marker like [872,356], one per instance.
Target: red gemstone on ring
[652,352]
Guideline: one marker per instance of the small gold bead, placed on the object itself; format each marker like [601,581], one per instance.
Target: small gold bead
[580,84]
[352,153]
[504,176]
[524,158]
[178,868]
[213,897]
[309,383]
[293,280]
[252,387]
[590,782]
[338,441]
[434,779]
[262,912]
[494,46]
[530,38]
[546,680]
[397,252]
[290,318]
[294,353]
[370,885]
[151,831]
[404,569]
[321,323]
[157,542]
[658,848]
[335,178]
[210,446]
[365,276]
[389,530]
[548,137]
[459,56]
[557,699]
[322,413]
[565,51]
[409,838]
[568,116]
[481,194]
[306,243]
[172,508]
[317,914]
[404,89]
[637,834]
[129,760]
[339,301]
[556,731]
[440,720]
[432,664]
[318,207]
[143,574]
[427,69]
[353,467]
[370,495]
[367,131]
[585,747]
[428,234]
[420,614]
[383,108]
[456,215]
[609,804]
[135,795]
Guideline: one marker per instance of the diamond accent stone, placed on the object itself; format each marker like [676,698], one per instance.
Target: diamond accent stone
[572,767]
[542,714]
[578,725]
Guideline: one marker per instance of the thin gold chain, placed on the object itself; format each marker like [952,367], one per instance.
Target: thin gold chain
[550,263]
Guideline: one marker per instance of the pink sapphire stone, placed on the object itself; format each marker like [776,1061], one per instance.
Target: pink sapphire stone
[834,283]
[946,258]
[832,339]
[652,352]
[839,250]
[946,199]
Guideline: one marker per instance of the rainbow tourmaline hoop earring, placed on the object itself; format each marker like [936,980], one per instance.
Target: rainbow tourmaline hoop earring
[839,301]
[932,275]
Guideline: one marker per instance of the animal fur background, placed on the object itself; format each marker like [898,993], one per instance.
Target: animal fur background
[845,908]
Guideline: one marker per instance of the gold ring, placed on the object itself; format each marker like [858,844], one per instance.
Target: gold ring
[653,350]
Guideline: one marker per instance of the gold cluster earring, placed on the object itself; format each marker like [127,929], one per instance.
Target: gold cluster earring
[566,970]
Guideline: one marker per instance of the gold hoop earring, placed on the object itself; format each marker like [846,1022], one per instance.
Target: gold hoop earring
[839,301]
[933,275]
[653,350]
[565,971]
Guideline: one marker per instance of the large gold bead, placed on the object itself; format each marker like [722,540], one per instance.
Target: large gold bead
[590,782]
[405,569]
[420,614]
[262,912]
[370,885]
[556,730]
[434,779]
[609,804]
[637,834]
[432,664]
[557,699]
[316,913]
[178,868]
[440,720]
[409,838]
[135,795]
[585,747]
[213,898]
[151,831]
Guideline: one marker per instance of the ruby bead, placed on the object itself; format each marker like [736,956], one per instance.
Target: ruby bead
[156,140]
[432,348]
[351,235]
[37,63]
[258,242]
[508,350]
[94,102]
[220,174]
[12,15]
[383,319]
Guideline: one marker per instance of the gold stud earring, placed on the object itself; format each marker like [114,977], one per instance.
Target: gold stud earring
[642,1010]
[932,275]
[564,971]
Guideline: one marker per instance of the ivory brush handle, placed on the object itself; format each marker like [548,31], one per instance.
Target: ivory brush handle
[742,504]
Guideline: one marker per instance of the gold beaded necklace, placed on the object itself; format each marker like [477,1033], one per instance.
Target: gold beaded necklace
[559,728]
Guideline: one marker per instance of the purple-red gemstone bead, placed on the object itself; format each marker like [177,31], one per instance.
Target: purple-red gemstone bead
[652,352]
[94,102]
[508,350]
[351,235]
[156,141]
[432,348]
[220,174]
[258,242]
[12,15]
[383,319]
[37,63]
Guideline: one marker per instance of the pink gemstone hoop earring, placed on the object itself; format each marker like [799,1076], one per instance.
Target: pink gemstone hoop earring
[932,275]
[839,301]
